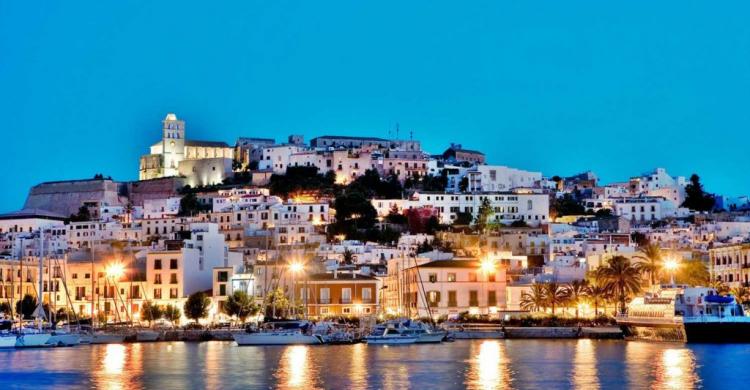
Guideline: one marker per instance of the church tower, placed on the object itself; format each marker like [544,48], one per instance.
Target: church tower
[173,144]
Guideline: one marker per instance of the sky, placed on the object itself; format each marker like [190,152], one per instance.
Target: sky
[559,87]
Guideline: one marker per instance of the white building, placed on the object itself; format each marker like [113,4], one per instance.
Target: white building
[491,178]
[532,208]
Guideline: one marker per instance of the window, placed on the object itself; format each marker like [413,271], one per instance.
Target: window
[223,276]
[222,290]
[157,279]
[325,295]
[473,298]
[491,277]
[157,293]
[433,298]
[432,278]
[491,298]
[451,276]
[452,301]
[347,310]
[346,295]
[173,293]
[173,278]
[323,310]
[472,276]
[173,264]
[366,295]
[157,264]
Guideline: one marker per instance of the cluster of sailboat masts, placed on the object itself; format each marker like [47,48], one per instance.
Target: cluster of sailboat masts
[44,333]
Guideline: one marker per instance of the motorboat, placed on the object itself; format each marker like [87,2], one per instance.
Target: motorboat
[333,333]
[392,335]
[146,335]
[423,332]
[102,337]
[691,314]
[279,333]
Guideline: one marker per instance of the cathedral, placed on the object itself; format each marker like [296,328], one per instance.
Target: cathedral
[201,162]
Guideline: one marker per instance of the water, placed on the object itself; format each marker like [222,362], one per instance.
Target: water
[477,364]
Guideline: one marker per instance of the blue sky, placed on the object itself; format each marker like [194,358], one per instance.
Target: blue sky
[559,87]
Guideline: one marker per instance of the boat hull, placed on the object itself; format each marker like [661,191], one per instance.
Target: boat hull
[275,339]
[107,338]
[380,340]
[147,336]
[432,337]
[717,332]
[34,340]
[64,340]
[8,341]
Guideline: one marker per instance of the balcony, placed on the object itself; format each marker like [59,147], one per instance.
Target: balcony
[452,304]
[345,301]
[324,301]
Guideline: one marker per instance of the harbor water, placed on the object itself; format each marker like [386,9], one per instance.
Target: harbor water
[477,364]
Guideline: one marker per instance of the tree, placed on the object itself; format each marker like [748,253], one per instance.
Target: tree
[535,299]
[621,278]
[5,308]
[171,313]
[196,306]
[639,238]
[603,213]
[597,293]
[432,225]
[26,306]
[696,198]
[189,205]
[395,217]
[463,218]
[566,205]
[555,295]
[83,215]
[651,261]
[150,312]
[353,212]
[720,287]
[483,215]
[741,294]
[463,185]
[519,223]
[693,273]
[575,292]
[240,304]
[276,300]
[348,257]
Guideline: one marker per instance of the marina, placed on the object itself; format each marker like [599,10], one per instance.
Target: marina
[477,364]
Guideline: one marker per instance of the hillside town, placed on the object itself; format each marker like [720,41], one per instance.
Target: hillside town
[356,227]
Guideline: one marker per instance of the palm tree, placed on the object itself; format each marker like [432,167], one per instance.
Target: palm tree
[651,261]
[575,291]
[719,286]
[534,300]
[621,278]
[741,294]
[598,292]
[555,294]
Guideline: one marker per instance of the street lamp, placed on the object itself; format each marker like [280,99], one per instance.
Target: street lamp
[115,271]
[295,268]
[487,265]
[671,265]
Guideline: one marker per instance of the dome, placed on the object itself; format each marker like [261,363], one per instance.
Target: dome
[171,117]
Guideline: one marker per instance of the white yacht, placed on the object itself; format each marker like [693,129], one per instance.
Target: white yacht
[64,338]
[280,333]
[691,314]
[145,335]
[391,336]
[424,332]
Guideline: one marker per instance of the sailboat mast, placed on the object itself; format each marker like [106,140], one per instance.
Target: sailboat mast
[40,294]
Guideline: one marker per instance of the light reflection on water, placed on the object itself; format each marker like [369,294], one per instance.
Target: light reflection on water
[477,364]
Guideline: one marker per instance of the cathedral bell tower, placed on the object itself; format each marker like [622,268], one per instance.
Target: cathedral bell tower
[173,144]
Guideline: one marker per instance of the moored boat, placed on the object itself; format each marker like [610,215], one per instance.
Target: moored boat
[280,333]
[62,338]
[691,314]
[146,335]
[391,336]
[29,339]
[7,340]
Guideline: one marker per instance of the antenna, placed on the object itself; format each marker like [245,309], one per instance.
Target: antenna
[397,129]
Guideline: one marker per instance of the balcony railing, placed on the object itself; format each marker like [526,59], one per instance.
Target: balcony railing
[324,301]
[452,304]
[345,300]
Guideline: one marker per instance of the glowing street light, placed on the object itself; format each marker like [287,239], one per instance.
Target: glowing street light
[671,266]
[296,267]
[115,271]
[487,266]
